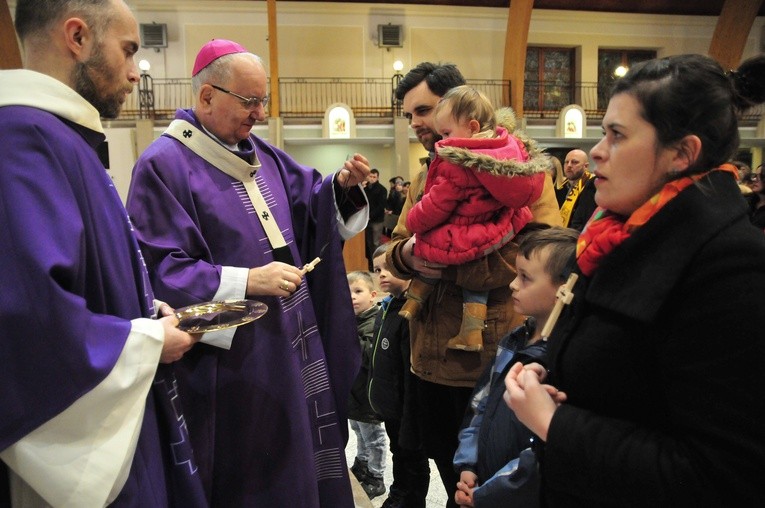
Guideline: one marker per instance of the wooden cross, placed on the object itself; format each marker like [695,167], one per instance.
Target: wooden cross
[308,267]
[563,297]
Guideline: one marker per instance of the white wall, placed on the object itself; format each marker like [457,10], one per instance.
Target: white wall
[122,157]
[327,39]
[319,39]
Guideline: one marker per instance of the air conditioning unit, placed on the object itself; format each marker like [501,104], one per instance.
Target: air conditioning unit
[390,36]
[153,35]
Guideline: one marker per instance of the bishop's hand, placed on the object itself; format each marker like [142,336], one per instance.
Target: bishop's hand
[354,171]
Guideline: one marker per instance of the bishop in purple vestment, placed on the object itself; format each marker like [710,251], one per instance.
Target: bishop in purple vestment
[265,403]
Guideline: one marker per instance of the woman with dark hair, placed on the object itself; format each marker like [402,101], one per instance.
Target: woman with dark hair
[654,375]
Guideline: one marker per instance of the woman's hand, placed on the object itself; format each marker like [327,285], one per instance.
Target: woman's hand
[534,403]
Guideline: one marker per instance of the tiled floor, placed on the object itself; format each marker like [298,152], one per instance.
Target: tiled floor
[436,494]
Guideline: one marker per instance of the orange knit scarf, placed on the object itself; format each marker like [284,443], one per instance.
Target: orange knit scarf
[605,230]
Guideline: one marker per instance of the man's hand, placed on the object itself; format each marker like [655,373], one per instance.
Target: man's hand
[274,279]
[177,342]
[354,171]
[419,265]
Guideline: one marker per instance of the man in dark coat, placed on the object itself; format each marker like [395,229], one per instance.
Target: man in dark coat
[580,198]
[377,197]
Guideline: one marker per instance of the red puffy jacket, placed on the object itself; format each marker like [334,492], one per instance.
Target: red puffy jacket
[475,198]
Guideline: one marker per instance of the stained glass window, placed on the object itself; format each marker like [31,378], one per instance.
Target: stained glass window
[609,62]
[549,80]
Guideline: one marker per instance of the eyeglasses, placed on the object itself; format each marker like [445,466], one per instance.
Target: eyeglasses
[754,177]
[249,103]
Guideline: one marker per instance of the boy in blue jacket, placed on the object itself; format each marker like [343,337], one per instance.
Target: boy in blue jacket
[491,445]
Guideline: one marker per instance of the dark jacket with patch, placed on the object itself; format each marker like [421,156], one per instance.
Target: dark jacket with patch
[392,386]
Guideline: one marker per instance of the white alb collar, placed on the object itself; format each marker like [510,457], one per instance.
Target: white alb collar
[22,87]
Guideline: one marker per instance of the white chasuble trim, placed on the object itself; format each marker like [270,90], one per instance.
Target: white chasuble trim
[82,456]
[229,163]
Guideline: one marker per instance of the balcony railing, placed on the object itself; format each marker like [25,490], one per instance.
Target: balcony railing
[306,98]
[160,101]
[372,98]
[310,97]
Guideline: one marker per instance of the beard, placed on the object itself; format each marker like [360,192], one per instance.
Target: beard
[107,103]
[428,139]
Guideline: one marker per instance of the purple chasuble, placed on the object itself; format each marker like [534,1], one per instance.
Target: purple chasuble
[71,280]
[267,418]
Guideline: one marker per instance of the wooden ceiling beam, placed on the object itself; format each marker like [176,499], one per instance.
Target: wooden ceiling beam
[732,30]
[680,7]
[273,58]
[10,55]
[516,39]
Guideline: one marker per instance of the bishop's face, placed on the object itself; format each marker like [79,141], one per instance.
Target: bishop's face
[225,115]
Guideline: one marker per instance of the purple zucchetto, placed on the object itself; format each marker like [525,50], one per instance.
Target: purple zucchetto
[213,50]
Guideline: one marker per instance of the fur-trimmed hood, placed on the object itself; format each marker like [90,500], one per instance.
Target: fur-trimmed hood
[490,155]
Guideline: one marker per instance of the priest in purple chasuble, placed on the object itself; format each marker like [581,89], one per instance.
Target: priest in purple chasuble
[87,418]
[221,214]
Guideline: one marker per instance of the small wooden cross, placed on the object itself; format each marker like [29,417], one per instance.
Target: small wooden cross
[563,297]
[308,267]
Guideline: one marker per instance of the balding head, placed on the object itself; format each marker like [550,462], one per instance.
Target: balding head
[36,20]
[575,165]
[86,44]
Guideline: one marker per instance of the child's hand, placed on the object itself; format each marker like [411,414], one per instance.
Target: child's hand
[468,478]
[463,500]
[465,487]
[558,396]
[538,368]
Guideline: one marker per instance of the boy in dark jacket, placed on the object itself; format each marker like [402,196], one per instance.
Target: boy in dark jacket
[490,445]
[392,389]
[369,464]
